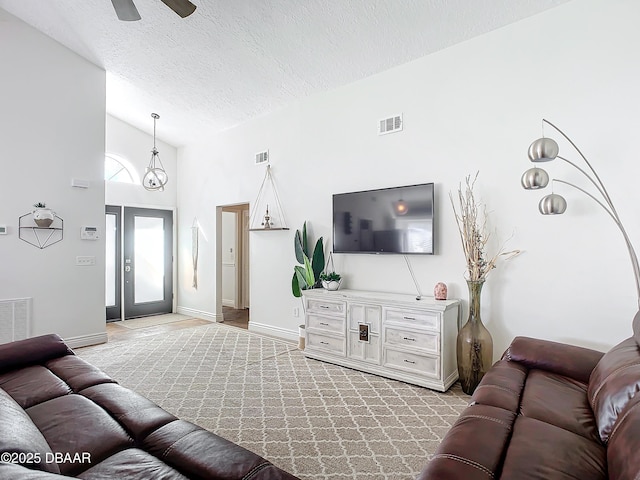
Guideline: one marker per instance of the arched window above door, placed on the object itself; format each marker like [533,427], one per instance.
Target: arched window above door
[119,169]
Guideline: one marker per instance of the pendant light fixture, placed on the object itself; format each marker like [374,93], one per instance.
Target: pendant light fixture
[155,177]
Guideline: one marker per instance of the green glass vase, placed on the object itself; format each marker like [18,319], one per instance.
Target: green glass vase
[475,345]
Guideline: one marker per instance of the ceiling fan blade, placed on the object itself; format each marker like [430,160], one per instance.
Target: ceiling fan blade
[184,8]
[126,10]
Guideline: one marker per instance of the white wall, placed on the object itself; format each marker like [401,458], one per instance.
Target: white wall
[52,120]
[135,146]
[473,107]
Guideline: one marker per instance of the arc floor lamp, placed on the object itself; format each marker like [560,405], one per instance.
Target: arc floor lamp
[546,149]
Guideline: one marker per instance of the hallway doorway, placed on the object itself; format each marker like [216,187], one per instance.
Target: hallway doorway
[233,264]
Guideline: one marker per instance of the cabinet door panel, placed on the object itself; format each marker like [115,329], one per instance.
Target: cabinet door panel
[370,314]
[365,351]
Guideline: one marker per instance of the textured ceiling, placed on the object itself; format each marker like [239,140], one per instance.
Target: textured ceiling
[233,60]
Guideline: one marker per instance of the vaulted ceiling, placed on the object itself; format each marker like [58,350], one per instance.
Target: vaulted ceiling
[233,60]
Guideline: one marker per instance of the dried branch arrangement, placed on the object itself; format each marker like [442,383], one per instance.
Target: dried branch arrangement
[472,224]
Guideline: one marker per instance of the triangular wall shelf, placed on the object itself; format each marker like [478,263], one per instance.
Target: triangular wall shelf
[267,214]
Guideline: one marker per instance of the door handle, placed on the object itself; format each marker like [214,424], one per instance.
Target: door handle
[127,268]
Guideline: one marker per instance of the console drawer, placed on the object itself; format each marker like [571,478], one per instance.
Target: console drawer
[325,306]
[423,365]
[329,324]
[427,341]
[410,317]
[326,343]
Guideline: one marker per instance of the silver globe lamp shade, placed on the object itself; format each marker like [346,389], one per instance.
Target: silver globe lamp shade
[552,204]
[543,150]
[534,179]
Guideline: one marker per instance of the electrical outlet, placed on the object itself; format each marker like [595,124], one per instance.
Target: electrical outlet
[296,312]
[85,261]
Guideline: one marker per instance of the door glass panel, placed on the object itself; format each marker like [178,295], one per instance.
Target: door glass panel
[149,259]
[111,242]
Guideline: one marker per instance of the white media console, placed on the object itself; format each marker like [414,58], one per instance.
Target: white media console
[391,335]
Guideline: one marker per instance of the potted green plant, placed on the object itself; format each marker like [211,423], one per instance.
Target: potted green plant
[307,274]
[42,215]
[330,280]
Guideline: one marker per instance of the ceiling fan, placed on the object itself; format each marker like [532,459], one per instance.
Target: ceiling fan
[127,11]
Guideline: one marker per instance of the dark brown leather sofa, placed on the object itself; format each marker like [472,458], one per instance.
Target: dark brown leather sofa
[62,417]
[549,411]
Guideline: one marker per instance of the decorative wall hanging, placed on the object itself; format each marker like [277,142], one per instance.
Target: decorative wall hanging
[156,176]
[194,251]
[273,218]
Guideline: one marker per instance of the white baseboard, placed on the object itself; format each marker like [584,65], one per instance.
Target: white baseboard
[86,340]
[279,332]
[212,317]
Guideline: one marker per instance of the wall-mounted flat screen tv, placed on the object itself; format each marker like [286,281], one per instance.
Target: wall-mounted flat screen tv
[389,220]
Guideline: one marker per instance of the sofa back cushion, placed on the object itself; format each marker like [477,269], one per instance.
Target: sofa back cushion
[21,438]
[613,383]
[32,351]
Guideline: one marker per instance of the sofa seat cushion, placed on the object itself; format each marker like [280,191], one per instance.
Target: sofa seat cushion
[200,454]
[137,414]
[614,382]
[560,401]
[457,458]
[540,451]
[20,435]
[132,464]
[69,424]
[502,386]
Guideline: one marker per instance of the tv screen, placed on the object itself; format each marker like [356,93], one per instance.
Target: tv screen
[387,220]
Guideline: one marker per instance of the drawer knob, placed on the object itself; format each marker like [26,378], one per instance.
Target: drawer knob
[324,343]
[324,306]
[410,339]
[409,318]
[325,324]
[409,361]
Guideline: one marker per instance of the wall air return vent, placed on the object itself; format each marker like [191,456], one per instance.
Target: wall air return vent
[15,319]
[262,157]
[390,125]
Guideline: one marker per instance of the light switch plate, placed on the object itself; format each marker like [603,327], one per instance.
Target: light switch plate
[85,261]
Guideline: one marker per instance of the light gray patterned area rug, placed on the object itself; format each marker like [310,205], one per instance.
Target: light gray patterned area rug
[313,419]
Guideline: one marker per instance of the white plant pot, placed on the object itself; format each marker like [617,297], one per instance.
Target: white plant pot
[302,337]
[43,217]
[332,285]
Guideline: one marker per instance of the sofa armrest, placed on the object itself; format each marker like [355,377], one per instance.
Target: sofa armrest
[568,360]
[32,351]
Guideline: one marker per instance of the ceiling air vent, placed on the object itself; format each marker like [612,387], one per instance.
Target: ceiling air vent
[262,157]
[390,125]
